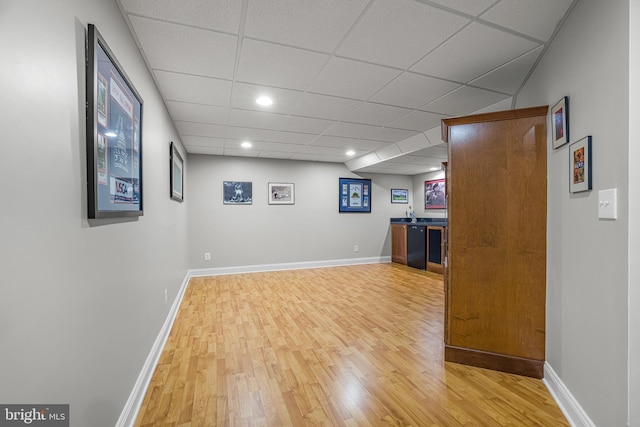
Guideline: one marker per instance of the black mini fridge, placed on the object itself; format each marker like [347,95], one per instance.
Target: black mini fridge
[416,246]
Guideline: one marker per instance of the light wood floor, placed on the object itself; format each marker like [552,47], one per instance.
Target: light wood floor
[344,346]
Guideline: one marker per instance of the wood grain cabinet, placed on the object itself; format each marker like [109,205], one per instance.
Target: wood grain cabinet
[496,241]
[399,243]
[435,248]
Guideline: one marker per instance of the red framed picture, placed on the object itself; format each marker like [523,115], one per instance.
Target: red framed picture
[434,194]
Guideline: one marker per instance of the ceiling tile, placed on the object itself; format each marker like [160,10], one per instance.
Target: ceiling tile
[338,158]
[251,134]
[389,152]
[201,129]
[311,24]
[535,18]
[284,100]
[474,7]
[418,121]
[219,15]
[256,119]
[324,106]
[367,145]
[215,151]
[173,47]
[397,33]
[314,149]
[501,105]
[352,130]
[305,157]
[351,79]
[434,135]
[392,135]
[376,114]
[274,65]
[265,146]
[415,143]
[306,124]
[195,89]
[274,155]
[240,152]
[197,112]
[479,49]
[413,90]
[332,141]
[437,151]
[464,100]
[510,76]
[201,141]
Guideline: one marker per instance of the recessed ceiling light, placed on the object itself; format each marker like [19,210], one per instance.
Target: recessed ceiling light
[265,101]
[246,144]
[350,153]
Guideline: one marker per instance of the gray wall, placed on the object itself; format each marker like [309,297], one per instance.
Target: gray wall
[634,214]
[587,262]
[310,230]
[81,303]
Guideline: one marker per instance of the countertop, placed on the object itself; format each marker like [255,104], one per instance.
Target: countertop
[421,221]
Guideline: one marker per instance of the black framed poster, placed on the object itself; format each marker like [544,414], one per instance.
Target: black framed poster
[114,135]
[354,195]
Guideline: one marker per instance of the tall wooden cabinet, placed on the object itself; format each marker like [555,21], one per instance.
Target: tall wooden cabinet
[496,242]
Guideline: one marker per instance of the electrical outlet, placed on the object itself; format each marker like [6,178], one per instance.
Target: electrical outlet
[355,248]
[166,296]
[207,256]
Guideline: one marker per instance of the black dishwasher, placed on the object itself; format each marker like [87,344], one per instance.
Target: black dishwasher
[416,247]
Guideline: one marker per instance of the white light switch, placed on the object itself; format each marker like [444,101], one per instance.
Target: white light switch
[608,203]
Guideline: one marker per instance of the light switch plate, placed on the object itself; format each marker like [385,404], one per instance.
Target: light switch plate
[608,204]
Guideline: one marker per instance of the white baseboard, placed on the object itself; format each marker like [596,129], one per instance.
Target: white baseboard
[286,266]
[132,407]
[576,416]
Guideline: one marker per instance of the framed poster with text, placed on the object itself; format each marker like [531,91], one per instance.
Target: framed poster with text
[354,195]
[114,135]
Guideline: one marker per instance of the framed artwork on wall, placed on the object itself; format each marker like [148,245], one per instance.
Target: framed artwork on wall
[237,193]
[354,195]
[114,135]
[176,174]
[580,165]
[434,194]
[399,195]
[281,193]
[560,122]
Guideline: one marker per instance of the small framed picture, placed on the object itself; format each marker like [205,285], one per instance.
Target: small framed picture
[560,122]
[580,165]
[399,195]
[176,174]
[237,193]
[281,193]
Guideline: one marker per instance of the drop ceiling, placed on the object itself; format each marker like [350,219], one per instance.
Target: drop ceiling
[371,76]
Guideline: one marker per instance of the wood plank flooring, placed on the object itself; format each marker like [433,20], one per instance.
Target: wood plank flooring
[343,346]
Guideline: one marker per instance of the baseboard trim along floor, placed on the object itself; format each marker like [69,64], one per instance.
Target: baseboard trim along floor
[132,407]
[576,416]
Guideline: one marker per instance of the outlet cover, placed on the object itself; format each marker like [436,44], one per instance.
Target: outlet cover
[608,204]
